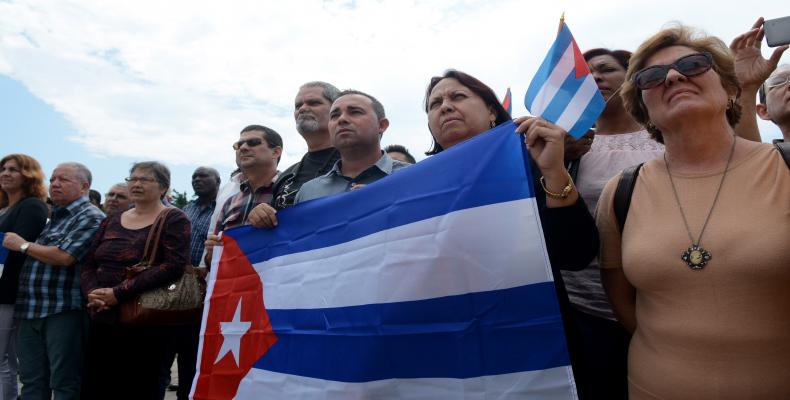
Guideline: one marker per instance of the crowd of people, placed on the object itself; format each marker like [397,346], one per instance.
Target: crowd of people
[685,298]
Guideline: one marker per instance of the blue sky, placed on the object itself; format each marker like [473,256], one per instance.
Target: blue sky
[30,126]
[110,83]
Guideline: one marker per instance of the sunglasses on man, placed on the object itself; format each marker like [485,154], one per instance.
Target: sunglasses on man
[249,142]
[690,65]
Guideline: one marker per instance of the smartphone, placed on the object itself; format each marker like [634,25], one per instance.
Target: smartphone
[777,31]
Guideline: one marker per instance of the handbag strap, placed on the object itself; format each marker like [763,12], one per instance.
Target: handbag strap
[152,242]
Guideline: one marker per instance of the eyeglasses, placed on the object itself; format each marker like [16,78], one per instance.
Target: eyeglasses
[250,142]
[143,179]
[776,81]
[690,65]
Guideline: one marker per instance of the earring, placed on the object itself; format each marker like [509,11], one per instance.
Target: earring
[730,104]
[492,124]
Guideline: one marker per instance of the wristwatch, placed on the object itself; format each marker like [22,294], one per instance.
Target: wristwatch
[23,248]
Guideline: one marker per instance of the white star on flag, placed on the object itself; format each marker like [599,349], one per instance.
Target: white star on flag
[232,332]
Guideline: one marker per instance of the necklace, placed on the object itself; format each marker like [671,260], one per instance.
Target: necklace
[696,257]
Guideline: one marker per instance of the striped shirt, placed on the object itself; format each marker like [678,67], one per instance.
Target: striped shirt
[237,208]
[200,217]
[45,290]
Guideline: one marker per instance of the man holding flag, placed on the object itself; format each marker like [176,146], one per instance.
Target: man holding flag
[418,290]
[435,284]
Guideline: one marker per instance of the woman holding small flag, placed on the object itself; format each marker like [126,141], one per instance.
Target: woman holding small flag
[23,212]
[699,270]
[459,107]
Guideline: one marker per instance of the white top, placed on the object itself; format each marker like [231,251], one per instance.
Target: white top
[608,155]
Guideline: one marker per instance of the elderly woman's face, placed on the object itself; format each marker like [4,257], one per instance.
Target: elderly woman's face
[680,97]
[143,186]
[456,113]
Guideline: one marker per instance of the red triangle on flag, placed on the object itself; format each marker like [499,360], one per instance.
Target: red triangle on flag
[237,295]
[580,65]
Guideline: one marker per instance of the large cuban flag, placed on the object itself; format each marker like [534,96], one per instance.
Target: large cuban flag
[432,283]
[3,254]
[563,90]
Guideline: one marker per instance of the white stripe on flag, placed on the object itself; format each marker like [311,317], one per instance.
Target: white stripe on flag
[472,250]
[550,87]
[549,384]
[579,102]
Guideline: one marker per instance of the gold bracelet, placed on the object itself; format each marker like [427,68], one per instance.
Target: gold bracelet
[562,195]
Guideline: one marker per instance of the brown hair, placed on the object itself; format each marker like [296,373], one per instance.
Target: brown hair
[476,86]
[33,184]
[680,35]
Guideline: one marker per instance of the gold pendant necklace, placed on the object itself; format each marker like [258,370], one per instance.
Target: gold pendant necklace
[696,257]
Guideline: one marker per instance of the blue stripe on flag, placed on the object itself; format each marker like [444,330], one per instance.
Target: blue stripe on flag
[463,336]
[3,250]
[588,117]
[561,43]
[461,177]
[563,97]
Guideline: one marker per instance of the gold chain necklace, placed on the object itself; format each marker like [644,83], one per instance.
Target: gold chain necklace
[696,257]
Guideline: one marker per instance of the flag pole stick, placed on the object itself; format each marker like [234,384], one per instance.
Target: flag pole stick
[562,21]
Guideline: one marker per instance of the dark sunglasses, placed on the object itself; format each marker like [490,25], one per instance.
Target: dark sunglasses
[250,142]
[690,65]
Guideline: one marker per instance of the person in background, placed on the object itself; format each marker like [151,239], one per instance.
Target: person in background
[311,113]
[205,183]
[116,200]
[258,153]
[707,302]
[759,75]
[226,191]
[619,142]
[400,153]
[356,124]
[774,101]
[49,305]
[124,361]
[23,212]
[95,198]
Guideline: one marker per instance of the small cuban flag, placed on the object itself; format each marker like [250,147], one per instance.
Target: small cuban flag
[3,254]
[507,102]
[432,283]
[563,90]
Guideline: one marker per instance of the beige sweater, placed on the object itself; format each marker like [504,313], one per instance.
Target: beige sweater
[722,332]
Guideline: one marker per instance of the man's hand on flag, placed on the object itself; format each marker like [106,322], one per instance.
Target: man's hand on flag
[211,241]
[263,216]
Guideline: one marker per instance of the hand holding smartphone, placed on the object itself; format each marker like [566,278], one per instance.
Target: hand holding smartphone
[777,31]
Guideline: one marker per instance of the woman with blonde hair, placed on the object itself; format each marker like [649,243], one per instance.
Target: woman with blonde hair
[699,271]
[22,211]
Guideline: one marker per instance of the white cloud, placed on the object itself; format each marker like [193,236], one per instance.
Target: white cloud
[177,80]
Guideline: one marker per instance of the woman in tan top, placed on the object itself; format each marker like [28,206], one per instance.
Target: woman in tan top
[700,273]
